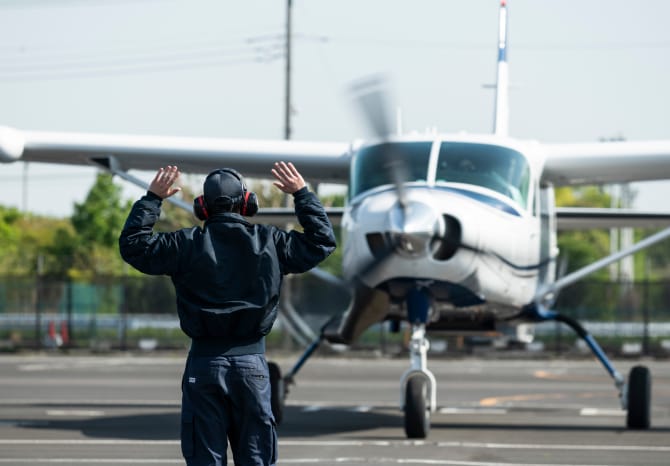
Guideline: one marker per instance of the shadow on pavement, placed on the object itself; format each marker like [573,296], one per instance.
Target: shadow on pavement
[297,423]
[165,425]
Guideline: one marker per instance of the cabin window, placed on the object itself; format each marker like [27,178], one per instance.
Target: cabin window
[382,164]
[497,168]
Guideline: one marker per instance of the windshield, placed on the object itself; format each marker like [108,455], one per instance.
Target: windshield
[383,164]
[498,168]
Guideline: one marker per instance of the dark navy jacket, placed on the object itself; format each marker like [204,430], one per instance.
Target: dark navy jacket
[227,275]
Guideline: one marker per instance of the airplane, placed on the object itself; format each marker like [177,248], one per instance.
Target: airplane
[445,232]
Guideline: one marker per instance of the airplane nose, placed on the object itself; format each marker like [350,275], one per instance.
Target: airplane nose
[413,228]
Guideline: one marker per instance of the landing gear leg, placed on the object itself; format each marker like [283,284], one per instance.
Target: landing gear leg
[635,396]
[418,397]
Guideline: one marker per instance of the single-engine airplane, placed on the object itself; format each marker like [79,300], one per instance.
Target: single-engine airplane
[448,232]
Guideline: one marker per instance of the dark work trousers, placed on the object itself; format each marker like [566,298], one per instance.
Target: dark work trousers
[227,399]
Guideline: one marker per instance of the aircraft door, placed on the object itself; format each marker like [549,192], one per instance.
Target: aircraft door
[548,242]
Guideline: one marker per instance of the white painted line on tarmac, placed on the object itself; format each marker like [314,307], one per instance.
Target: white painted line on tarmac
[601,412]
[89,461]
[473,411]
[86,442]
[352,443]
[551,446]
[75,412]
[361,409]
[339,460]
[100,402]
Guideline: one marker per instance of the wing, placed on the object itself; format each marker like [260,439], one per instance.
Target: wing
[606,162]
[577,218]
[282,216]
[322,161]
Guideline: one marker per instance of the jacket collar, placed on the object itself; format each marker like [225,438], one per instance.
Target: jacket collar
[227,217]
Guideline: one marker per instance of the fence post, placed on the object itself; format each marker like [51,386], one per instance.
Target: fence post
[124,314]
[38,302]
[69,309]
[645,310]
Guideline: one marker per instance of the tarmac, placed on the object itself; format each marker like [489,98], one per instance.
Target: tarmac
[124,409]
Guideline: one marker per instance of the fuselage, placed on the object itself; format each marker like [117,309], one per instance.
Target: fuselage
[458,216]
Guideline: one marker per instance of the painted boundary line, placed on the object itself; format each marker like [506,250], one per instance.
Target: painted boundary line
[352,443]
[336,460]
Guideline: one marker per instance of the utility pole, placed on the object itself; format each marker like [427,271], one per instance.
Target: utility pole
[287,94]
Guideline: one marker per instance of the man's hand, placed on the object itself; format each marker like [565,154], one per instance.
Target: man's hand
[289,180]
[162,183]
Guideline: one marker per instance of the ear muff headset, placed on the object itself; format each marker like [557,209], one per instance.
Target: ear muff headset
[199,208]
[247,200]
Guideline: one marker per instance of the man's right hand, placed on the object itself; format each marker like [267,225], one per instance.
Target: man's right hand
[289,179]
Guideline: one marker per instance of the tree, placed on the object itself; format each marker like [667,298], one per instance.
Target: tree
[99,219]
[10,234]
[98,222]
[580,248]
[173,217]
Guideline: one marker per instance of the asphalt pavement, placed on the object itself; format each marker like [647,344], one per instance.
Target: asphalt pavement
[124,409]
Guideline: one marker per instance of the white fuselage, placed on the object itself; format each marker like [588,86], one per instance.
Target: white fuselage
[497,240]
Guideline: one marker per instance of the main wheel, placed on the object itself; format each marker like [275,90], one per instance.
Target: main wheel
[277,392]
[639,398]
[417,410]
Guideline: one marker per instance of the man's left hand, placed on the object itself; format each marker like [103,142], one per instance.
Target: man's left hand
[162,183]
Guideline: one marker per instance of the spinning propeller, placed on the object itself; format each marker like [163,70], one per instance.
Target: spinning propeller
[414,229]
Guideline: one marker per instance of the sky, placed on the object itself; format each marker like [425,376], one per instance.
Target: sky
[580,70]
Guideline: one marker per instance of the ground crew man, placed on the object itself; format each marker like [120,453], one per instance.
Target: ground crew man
[227,276]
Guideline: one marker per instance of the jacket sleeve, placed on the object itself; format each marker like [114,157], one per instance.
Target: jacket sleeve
[154,254]
[301,251]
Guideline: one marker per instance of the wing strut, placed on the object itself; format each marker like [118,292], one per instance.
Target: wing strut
[547,292]
[110,164]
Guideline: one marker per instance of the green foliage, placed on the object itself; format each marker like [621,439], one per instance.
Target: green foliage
[580,248]
[97,223]
[584,196]
[333,264]
[9,236]
[99,219]
[174,218]
[28,243]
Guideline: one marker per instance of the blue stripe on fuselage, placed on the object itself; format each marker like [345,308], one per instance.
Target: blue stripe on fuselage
[483,198]
[479,197]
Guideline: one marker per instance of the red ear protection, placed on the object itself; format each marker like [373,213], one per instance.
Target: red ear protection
[199,208]
[247,201]
[249,206]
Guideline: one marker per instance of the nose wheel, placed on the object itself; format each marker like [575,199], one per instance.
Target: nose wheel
[417,406]
[418,396]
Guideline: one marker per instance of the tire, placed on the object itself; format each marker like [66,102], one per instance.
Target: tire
[417,414]
[277,392]
[639,398]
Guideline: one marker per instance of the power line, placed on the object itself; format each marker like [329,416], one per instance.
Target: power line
[73,65]
[27,4]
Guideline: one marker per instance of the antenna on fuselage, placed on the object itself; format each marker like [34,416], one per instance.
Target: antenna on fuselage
[501,115]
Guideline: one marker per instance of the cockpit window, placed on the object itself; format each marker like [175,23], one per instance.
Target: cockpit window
[382,164]
[498,168]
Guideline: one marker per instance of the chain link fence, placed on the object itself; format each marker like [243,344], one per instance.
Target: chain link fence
[140,313]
